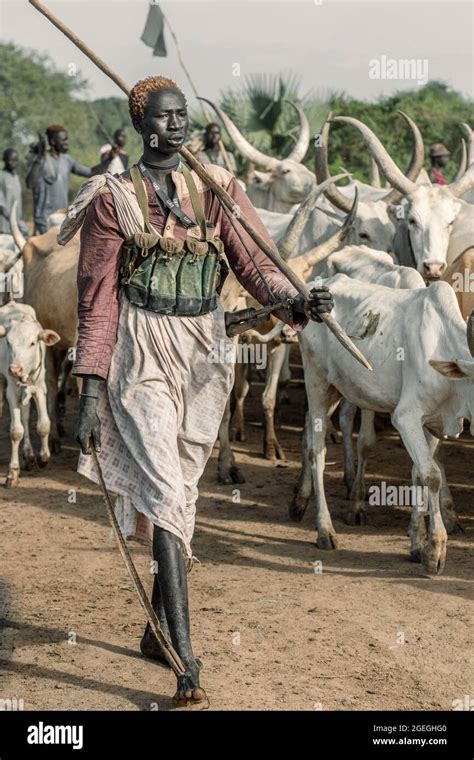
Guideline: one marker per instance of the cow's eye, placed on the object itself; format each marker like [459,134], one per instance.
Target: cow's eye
[364,236]
[412,223]
[32,343]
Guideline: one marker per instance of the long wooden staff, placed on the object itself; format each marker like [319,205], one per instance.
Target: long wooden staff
[223,196]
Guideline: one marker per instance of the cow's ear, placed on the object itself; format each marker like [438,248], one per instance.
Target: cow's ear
[3,331]
[455,370]
[49,337]
[395,213]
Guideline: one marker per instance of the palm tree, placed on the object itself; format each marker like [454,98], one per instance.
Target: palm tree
[259,110]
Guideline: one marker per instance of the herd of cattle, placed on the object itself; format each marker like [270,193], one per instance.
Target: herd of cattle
[377,249]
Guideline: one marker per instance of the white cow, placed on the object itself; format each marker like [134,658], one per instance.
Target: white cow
[22,367]
[435,224]
[423,378]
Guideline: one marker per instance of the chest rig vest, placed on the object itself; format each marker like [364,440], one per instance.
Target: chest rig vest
[174,277]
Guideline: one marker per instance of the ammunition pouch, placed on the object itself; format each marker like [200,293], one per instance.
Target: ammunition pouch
[180,278]
[173,277]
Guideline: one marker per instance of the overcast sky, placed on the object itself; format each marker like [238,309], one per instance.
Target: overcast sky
[329,44]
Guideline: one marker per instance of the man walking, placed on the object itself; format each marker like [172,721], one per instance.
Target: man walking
[150,319]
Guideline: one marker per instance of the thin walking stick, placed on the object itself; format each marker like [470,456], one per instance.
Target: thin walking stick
[171,655]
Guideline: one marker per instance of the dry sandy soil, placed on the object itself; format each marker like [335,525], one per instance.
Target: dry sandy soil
[368,632]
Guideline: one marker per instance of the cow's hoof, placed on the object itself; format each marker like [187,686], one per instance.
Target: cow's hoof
[355,518]
[434,558]
[224,478]
[55,446]
[29,461]
[416,555]
[452,524]
[12,481]
[43,462]
[236,475]
[297,508]
[274,452]
[237,435]
[433,566]
[327,541]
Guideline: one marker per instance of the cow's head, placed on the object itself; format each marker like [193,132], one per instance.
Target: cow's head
[373,227]
[429,213]
[282,187]
[283,182]
[25,346]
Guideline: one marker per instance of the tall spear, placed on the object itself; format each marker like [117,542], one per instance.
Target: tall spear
[223,196]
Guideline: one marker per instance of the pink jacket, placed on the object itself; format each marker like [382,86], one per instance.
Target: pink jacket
[99,262]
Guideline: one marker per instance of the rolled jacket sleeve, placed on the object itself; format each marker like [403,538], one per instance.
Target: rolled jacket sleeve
[243,266]
[98,288]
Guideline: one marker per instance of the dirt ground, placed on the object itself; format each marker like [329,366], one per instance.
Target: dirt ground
[368,632]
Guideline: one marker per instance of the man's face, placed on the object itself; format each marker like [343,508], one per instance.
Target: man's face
[120,139]
[443,160]
[165,122]
[213,137]
[11,161]
[60,141]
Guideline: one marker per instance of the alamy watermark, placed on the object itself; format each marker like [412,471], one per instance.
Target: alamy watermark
[241,353]
[415,69]
[386,495]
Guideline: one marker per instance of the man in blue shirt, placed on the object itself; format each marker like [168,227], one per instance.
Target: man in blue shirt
[49,169]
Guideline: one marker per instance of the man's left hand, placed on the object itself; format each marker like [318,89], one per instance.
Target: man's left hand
[320,302]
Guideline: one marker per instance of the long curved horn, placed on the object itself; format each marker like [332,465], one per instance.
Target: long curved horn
[386,164]
[374,173]
[463,162]
[293,232]
[17,236]
[416,161]
[461,186]
[242,145]
[302,145]
[470,142]
[337,198]
[307,261]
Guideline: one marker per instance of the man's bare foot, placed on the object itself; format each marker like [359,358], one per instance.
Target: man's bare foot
[189,692]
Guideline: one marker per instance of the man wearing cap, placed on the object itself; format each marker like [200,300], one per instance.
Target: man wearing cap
[439,155]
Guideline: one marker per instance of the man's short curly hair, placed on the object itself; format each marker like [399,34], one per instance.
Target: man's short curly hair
[139,93]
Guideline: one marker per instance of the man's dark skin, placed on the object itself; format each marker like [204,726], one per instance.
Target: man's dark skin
[10,160]
[59,143]
[212,135]
[163,129]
